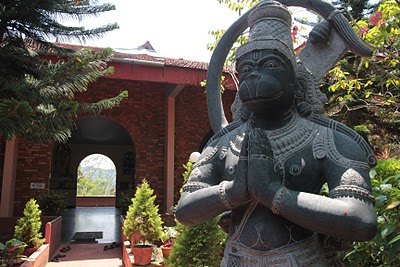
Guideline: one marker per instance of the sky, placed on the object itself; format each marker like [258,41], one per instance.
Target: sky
[175,28]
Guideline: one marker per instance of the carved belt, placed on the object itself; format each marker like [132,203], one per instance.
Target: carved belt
[307,252]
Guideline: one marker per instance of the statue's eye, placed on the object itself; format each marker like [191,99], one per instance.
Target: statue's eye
[245,69]
[271,64]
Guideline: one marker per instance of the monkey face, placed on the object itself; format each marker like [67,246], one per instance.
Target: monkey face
[266,81]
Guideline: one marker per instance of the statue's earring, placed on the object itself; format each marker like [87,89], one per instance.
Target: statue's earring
[303,108]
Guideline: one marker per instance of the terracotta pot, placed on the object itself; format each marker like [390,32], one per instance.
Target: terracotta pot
[29,251]
[142,254]
[166,251]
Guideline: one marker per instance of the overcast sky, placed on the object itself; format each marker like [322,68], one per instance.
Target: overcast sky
[175,28]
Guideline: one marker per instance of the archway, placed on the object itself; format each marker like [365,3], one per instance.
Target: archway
[96,181]
[94,135]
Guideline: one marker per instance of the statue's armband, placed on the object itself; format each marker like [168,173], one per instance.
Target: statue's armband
[194,186]
[352,184]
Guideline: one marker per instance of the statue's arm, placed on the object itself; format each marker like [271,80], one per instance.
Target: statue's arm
[209,192]
[348,212]
[200,200]
[346,217]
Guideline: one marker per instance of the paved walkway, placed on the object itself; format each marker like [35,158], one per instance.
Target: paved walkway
[89,255]
[89,219]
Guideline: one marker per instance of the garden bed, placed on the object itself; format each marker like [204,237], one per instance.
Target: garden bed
[51,229]
[39,258]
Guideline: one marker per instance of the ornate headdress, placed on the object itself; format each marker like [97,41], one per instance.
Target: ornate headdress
[270,28]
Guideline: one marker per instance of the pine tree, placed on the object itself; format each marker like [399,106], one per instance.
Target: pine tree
[27,229]
[37,95]
[143,216]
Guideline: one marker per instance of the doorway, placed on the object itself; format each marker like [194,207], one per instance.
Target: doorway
[96,182]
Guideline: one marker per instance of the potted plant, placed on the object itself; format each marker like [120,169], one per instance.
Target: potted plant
[28,227]
[168,240]
[143,224]
[11,252]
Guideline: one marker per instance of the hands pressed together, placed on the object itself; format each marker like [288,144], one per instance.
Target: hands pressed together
[255,178]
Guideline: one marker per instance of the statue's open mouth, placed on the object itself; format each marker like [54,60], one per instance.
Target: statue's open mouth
[263,98]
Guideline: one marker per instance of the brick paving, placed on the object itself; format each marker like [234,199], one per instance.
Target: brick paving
[88,255]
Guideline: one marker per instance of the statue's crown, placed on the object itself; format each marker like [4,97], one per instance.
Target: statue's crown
[270,28]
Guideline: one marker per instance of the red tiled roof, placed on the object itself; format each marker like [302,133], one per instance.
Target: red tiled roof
[183,63]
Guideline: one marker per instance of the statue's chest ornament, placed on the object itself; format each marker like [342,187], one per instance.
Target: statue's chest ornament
[236,144]
[234,148]
[296,169]
[290,140]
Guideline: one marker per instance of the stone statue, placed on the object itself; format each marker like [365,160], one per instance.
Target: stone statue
[264,170]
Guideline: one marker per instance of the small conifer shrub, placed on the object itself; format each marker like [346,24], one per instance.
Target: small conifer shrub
[28,227]
[143,217]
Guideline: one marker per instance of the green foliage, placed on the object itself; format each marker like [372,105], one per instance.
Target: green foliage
[10,252]
[384,249]
[197,246]
[366,90]
[188,169]
[28,227]
[52,203]
[143,216]
[36,94]
[95,185]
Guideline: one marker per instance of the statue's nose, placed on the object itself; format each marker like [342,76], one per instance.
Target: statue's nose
[253,80]
[262,85]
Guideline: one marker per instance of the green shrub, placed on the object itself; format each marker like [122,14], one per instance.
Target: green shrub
[27,229]
[197,246]
[52,203]
[384,249]
[10,252]
[386,168]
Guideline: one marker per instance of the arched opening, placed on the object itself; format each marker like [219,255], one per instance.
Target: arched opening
[96,182]
[94,135]
[96,177]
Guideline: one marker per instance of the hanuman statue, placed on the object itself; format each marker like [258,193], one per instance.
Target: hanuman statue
[264,170]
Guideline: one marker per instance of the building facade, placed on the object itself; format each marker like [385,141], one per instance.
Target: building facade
[150,135]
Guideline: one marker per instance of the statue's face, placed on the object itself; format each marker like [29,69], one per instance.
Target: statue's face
[266,81]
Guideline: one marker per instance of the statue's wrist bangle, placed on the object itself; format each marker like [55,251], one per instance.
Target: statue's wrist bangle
[278,199]
[222,196]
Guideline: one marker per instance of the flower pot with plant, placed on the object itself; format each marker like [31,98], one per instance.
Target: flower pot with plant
[168,240]
[143,224]
[27,228]
[11,252]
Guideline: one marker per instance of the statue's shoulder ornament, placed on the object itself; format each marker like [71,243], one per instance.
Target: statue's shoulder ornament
[324,144]
[228,138]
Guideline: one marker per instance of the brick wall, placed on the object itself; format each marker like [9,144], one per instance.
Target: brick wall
[33,166]
[143,115]
[192,125]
